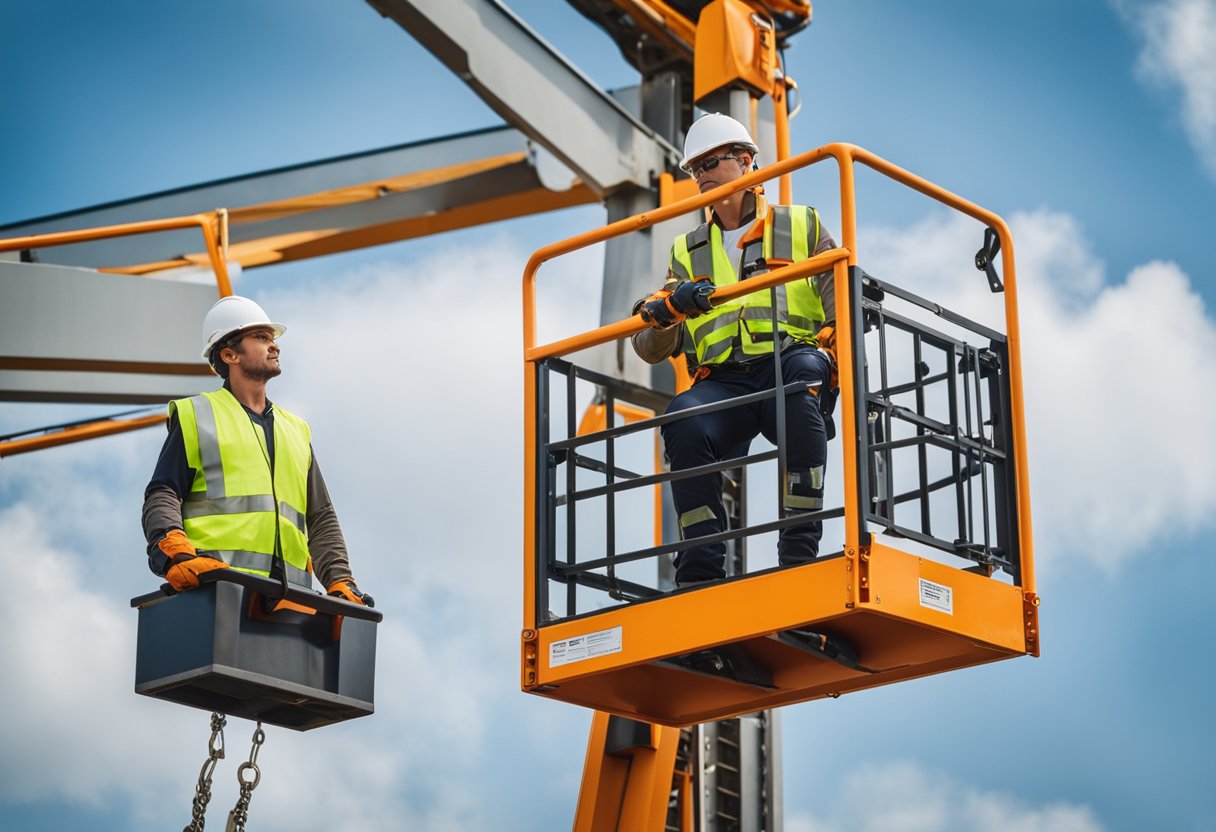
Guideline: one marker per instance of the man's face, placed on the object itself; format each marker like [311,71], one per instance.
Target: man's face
[729,167]
[258,354]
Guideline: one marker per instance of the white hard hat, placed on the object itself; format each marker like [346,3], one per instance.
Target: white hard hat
[714,130]
[232,314]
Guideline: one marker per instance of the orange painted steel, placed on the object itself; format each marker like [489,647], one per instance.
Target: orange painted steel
[662,22]
[666,212]
[736,47]
[897,637]
[629,789]
[373,190]
[846,156]
[1012,328]
[870,595]
[92,430]
[628,326]
[687,801]
[848,404]
[301,245]
[213,226]
[673,190]
[781,124]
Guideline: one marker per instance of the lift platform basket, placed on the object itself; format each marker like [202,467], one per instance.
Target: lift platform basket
[927,563]
[213,648]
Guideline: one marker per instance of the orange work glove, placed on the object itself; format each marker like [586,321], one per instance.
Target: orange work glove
[656,309]
[176,543]
[185,564]
[348,591]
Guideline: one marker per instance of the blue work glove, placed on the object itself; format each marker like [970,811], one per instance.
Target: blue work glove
[670,306]
[691,297]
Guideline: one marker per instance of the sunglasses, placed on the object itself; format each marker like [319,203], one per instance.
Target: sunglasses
[709,163]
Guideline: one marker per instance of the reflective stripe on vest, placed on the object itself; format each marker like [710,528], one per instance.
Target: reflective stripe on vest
[209,447]
[194,506]
[236,503]
[791,234]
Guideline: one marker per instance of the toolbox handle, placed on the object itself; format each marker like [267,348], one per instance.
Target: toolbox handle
[328,604]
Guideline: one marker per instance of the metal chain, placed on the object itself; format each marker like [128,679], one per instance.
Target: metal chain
[202,791]
[240,813]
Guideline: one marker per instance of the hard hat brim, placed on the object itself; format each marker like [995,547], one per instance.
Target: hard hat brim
[279,329]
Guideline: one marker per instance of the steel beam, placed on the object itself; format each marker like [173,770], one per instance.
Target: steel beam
[331,205]
[536,90]
[74,335]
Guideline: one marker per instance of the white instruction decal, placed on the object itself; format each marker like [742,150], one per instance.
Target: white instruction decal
[936,596]
[590,646]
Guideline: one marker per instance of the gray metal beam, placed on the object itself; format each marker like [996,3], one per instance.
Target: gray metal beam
[440,193]
[75,335]
[536,89]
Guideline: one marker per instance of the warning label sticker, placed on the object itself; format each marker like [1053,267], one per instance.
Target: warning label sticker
[936,596]
[578,648]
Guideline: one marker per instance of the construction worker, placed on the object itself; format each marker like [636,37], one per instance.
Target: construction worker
[237,484]
[731,346]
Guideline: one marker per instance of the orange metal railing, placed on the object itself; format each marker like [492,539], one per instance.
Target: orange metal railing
[214,227]
[847,156]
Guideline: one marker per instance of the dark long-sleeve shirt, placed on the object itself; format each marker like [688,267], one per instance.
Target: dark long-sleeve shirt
[173,479]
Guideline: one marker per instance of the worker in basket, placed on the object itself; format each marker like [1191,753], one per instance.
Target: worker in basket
[237,483]
[730,347]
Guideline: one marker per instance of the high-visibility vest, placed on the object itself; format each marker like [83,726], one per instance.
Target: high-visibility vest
[791,234]
[238,510]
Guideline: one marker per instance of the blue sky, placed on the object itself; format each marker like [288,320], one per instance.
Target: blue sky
[1090,125]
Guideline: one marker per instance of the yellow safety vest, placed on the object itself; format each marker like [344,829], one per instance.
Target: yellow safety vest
[238,510]
[791,234]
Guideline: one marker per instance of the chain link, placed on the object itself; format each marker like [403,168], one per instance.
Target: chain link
[240,813]
[202,791]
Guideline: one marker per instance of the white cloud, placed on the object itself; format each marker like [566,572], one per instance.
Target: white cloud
[67,732]
[906,797]
[1179,53]
[411,382]
[410,376]
[1113,371]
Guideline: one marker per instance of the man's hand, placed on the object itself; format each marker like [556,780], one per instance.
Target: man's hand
[186,568]
[692,297]
[347,590]
[175,543]
[657,309]
[670,306]
[185,564]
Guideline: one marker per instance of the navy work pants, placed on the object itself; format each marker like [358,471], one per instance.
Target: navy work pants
[712,437]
